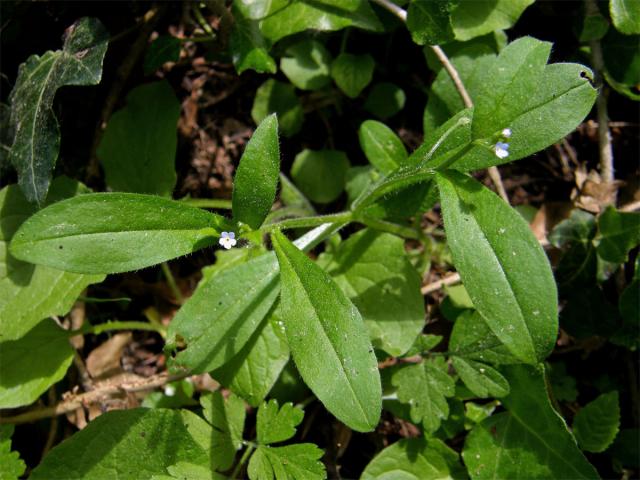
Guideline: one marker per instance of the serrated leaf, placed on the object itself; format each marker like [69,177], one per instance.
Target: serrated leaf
[352,73]
[31,293]
[280,98]
[409,458]
[11,465]
[429,21]
[138,148]
[113,232]
[224,312]
[372,269]
[424,387]
[277,424]
[529,440]
[381,146]
[248,48]
[290,462]
[129,444]
[37,136]
[472,18]
[320,174]
[328,340]
[618,232]
[306,64]
[480,378]
[23,375]
[226,416]
[596,424]
[625,15]
[256,180]
[497,256]
[254,370]
[165,48]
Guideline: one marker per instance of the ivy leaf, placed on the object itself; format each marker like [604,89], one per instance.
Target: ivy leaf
[227,419]
[37,136]
[597,423]
[320,174]
[31,293]
[497,256]
[256,180]
[352,73]
[138,148]
[283,463]
[24,376]
[618,232]
[425,386]
[224,312]
[429,21]
[483,380]
[529,440]
[165,48]
[278,97]
[306,64]
[626,16]
[373,270]
[411,458]
[11,465]
[276,424]
[328,340]
[255,369]
[113,232]
[248,48]
[473,18]
[381,146]
[129,444]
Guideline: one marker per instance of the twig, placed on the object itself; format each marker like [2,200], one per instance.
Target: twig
[77,401]
[53,426]
[166,270]
[494,173]
[631,207]
[437,285]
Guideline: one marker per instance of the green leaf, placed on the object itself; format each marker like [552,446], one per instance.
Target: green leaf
[596,424]
[226,416]
[37,138]
[129,444]
[618,232]
[255,369]
[352,73]
[30,293]
[165,48]
[561,383]
[189,471]
[138,148]
[373,270]
[286,18]
[6,137]
[11,465]
[624,450]
[497,256]
[23,375]
[113,232]
[278,97]
[292,197]
[249,49]
[483,380]
[381,146]
[320,174]
[385,100]
[625,15]
[529,440]
[622,61]
[256,180]
[410,459]
[328,340]
[306,64]
[472,18]
[277,424]
[429,21]
[301,461]
[425,386]
[224,312]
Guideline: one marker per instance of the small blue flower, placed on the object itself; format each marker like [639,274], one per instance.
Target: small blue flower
[506,133]
[501,149]
[228,240]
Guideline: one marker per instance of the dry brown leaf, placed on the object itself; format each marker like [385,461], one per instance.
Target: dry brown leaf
[104,361]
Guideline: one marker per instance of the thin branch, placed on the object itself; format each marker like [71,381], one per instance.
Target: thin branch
[453,73]
[393,8]
[437,285]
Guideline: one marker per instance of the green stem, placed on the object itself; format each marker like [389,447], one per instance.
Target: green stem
[461,121]
[208,203]
[243,459]
[116,325]
[202,21]
[304,222]
[390,227]
[454,158]
[172,282]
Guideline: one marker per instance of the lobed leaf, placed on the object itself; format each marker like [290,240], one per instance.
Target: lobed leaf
[11,465]
[277,424]
[283,463]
